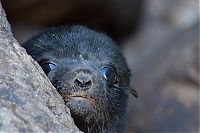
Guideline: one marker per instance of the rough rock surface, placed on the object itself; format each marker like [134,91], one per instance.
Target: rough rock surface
[28,102]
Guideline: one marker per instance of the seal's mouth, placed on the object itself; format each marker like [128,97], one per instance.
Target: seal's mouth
[80,100]
[78,95]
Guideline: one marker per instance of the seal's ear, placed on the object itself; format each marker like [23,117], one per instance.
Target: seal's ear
[133,92]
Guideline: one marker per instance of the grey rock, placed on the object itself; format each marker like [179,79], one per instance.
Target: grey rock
[28,101]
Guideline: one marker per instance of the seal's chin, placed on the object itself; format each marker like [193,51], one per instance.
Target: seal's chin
[79,105]
[82,110]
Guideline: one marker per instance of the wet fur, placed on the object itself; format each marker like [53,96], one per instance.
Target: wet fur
[75,48]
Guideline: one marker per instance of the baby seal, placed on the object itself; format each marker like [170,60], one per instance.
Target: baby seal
[90,73]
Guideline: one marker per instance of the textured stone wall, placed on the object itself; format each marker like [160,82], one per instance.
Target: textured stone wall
[28,101]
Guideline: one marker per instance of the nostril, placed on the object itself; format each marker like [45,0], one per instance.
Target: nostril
[88,83]
[83,83]
[78,82]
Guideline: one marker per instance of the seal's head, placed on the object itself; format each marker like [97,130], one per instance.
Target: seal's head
[90,73]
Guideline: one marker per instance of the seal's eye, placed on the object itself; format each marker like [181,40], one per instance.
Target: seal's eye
[47,67]
[109,74]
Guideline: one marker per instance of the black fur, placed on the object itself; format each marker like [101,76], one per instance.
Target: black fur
[77,50]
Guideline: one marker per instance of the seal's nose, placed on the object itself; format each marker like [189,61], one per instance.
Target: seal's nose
[83,80]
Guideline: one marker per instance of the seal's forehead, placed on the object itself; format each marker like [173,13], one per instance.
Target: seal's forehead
[73,42]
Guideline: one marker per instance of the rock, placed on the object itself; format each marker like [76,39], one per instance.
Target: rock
[166,75]
[28,101]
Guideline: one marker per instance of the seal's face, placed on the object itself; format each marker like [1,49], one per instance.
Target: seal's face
[90,90]
[89,72]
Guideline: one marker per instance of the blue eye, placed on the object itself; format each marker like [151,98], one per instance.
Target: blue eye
[109,74]
[47,67]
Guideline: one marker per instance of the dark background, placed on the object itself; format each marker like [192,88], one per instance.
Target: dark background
[160,39]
